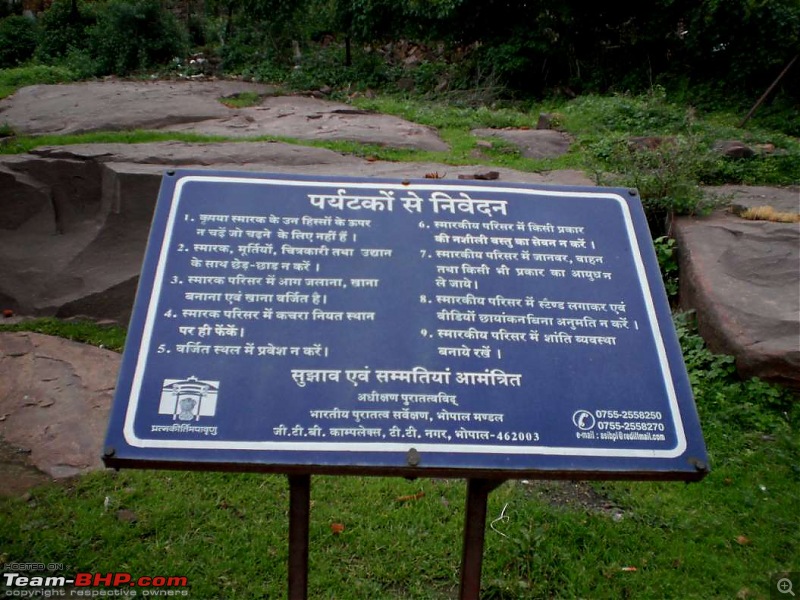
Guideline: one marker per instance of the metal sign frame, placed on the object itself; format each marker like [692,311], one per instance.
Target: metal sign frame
[532,338]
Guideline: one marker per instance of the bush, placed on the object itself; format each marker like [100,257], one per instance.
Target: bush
[666,176]
[61,30]
[17,40]
[134,35]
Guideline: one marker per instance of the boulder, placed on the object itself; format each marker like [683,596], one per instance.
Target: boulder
[546,121]
[742,279]
[733,149]
[55,396]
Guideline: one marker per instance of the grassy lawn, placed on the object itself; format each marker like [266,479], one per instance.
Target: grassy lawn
[720,538]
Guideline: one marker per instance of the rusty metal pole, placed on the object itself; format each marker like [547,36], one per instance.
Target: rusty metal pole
[769,91]
[299,509]
[474,529]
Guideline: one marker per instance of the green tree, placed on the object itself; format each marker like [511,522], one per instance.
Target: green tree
[259,30]
[17,40]
[133,35]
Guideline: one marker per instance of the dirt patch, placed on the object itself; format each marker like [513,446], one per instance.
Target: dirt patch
[17,474]
[573,495]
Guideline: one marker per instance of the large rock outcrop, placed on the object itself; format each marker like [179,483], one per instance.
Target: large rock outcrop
[742,278]
[195,107]
[74,220]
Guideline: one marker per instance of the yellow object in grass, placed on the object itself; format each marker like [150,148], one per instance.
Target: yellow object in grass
[767,213]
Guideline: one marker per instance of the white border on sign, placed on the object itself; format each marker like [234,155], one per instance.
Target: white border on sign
[141,363]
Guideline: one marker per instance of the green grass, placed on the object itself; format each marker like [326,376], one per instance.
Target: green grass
[21,143]
[242,100]
[111,337]
[13,79]
[719,538]
[601,126]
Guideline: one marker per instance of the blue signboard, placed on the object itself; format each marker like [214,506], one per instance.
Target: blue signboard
[332,324]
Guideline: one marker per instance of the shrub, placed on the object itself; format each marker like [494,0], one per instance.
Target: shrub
[10,7]
[17,40]
[134,35]
[666,176]
[61,30]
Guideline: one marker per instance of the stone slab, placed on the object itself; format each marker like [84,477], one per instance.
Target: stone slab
[55,396]
[314,119]
[742,197]
[533,143]
[194,107]
[118,105]
[743,280]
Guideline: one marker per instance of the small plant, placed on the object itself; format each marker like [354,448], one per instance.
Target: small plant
[667,254]
[667,175]
[242,100]
[649,114]
[63,29]
[752,405]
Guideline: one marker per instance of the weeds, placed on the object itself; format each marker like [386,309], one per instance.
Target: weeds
[667,255]
[242,100]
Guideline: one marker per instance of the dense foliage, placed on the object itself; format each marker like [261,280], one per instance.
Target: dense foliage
[707,50]
[17,40]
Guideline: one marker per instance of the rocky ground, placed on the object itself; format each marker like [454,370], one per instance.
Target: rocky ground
[75,219]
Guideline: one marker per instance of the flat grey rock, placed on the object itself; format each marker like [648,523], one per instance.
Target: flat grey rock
[118,105]
[55,396]
[193,106]
[742,197]
[742,279]
[533,143]
[313,119]
[74,220]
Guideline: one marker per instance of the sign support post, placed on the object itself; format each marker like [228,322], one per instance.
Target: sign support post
[299,503]
[474,533]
